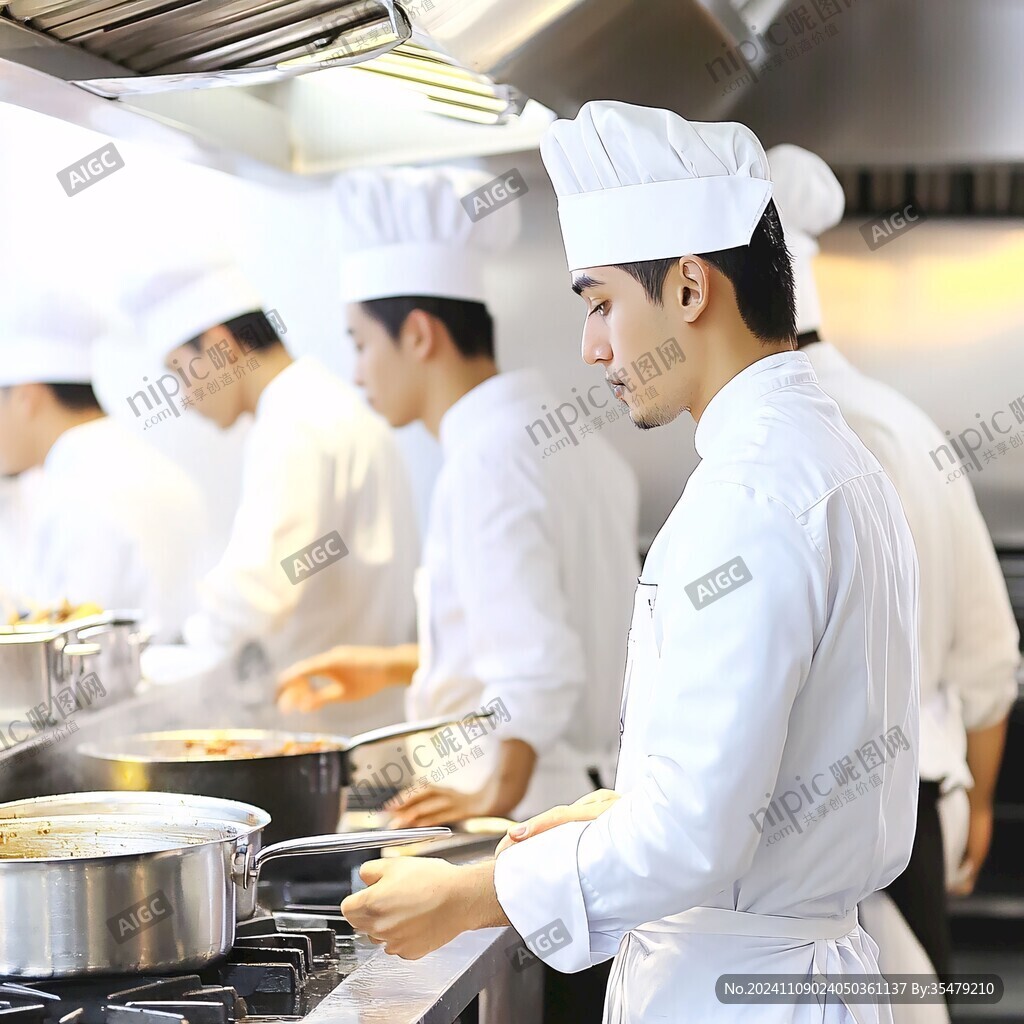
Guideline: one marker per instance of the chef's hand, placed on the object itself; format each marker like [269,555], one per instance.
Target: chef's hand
[979,838]
[414,905]
[504,790]
[436,805]
[352,673]
[587,808]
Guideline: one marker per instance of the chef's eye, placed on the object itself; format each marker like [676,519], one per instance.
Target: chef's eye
[601,309]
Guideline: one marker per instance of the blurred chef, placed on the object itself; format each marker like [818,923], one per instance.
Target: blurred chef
[15,519]
[324,543]
[773,633]
[112,521]
[969,637]
[528,562]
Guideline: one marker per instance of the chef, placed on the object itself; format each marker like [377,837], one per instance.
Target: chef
[15,518]
[111,521]
[969,637]
[323,488]
[766,780]
[528,561]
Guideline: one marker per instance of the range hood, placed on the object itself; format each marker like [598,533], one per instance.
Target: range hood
[869,84]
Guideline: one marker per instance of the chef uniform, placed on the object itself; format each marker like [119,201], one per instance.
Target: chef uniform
[969,637]
[112,521]
[316,460]
[15,518]
[523,593]
[803,667]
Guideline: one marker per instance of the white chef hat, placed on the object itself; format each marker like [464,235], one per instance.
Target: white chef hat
[810,201]
[47,336]
[176,303]
[641,183]
[405,231]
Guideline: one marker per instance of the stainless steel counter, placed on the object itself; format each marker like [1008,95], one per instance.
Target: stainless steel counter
[387,990]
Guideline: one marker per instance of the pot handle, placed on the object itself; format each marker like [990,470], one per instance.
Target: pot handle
[247,866]
[393,732]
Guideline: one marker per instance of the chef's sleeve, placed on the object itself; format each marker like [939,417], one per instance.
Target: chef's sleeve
[982,662]
[506,561]
[285,476]
[716,720]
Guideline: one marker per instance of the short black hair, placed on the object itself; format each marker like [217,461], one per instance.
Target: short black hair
[761,274]
[469,323]
[75,397]
[253,330]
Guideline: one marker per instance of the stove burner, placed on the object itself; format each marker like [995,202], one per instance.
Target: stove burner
[269,972]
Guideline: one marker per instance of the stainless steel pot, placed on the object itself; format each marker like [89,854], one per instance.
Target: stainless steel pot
[305,793]
[38,662]
[117,883]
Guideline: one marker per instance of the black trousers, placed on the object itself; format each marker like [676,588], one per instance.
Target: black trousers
[575,998]
[920,892]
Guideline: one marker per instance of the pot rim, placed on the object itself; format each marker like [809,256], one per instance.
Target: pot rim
[246,818]
[334,744]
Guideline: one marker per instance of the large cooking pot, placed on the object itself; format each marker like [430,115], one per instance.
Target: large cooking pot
[301,778]
[118,883]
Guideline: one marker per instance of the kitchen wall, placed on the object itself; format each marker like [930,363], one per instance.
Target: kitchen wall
[934,312]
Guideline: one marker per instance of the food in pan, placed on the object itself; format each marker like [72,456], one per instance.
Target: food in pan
[234,748]
[64,612]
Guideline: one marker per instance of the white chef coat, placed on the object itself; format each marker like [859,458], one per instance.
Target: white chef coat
[524,593]
[969,637]
[16,495]
[115,523]
[316,460]
[756,694]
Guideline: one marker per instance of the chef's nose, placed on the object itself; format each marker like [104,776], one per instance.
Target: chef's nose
[596,347]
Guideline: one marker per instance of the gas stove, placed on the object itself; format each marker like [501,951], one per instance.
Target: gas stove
[280,968]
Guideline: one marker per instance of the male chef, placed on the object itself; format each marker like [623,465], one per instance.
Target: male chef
[969,637]
[324,486]
[529,561]
[773,646]
[110,521]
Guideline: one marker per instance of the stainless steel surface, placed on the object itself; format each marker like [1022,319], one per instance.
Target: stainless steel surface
[202,43]
[38,661]
[343,842]
[387,990]
[77,912]
[192,29]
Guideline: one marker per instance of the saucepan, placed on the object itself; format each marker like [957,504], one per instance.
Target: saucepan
[126,883]
[301,778]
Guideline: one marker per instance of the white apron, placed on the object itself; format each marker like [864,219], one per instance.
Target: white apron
[708,941]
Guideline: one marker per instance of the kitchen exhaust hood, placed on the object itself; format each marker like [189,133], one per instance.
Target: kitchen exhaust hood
[221,72]
[868,84]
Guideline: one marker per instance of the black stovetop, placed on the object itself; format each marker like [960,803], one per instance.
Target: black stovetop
[280,968]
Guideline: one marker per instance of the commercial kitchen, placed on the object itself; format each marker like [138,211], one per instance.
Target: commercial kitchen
[331,553]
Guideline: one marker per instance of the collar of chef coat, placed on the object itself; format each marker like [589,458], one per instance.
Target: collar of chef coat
[730,408]
[464,417]
[288,387]
[78,446]
[826,359]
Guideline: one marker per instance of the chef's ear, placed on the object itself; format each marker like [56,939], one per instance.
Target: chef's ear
[420,334]
[690,287]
